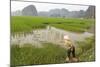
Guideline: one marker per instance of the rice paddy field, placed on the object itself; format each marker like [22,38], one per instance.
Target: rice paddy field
[28,23]
[50,53]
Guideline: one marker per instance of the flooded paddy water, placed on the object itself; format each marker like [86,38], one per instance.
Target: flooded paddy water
[49,34]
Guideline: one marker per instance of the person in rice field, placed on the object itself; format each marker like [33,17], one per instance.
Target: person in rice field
[70,48]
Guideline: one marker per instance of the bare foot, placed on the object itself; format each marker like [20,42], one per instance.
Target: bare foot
[75,59]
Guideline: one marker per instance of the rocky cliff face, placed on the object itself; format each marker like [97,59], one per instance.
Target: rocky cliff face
[29,11]
[90,13]
[63,13]
[16,13]
[32,11]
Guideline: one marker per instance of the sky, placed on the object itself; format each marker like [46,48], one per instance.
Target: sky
[17,5]
[89,2]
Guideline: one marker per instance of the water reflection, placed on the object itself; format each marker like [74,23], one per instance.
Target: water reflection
[50,34]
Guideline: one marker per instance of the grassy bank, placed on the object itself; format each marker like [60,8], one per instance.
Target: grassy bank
[49,54]
[28,23]
[86,50]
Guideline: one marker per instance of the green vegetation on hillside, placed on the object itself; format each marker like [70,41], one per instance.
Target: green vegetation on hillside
[28,23]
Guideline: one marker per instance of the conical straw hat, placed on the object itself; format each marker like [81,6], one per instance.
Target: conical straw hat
[66,37]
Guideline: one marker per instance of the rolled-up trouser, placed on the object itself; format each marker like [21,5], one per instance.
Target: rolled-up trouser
[71,51]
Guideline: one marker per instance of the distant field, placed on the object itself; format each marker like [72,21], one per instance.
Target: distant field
[28,23]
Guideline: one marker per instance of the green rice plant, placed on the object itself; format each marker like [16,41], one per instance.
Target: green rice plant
[28,23]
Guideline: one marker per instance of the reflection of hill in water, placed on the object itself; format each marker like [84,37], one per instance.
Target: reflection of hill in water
[50,34]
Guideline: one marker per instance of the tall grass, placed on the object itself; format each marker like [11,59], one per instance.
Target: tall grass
[86,50]
[50,53]
[30,55]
